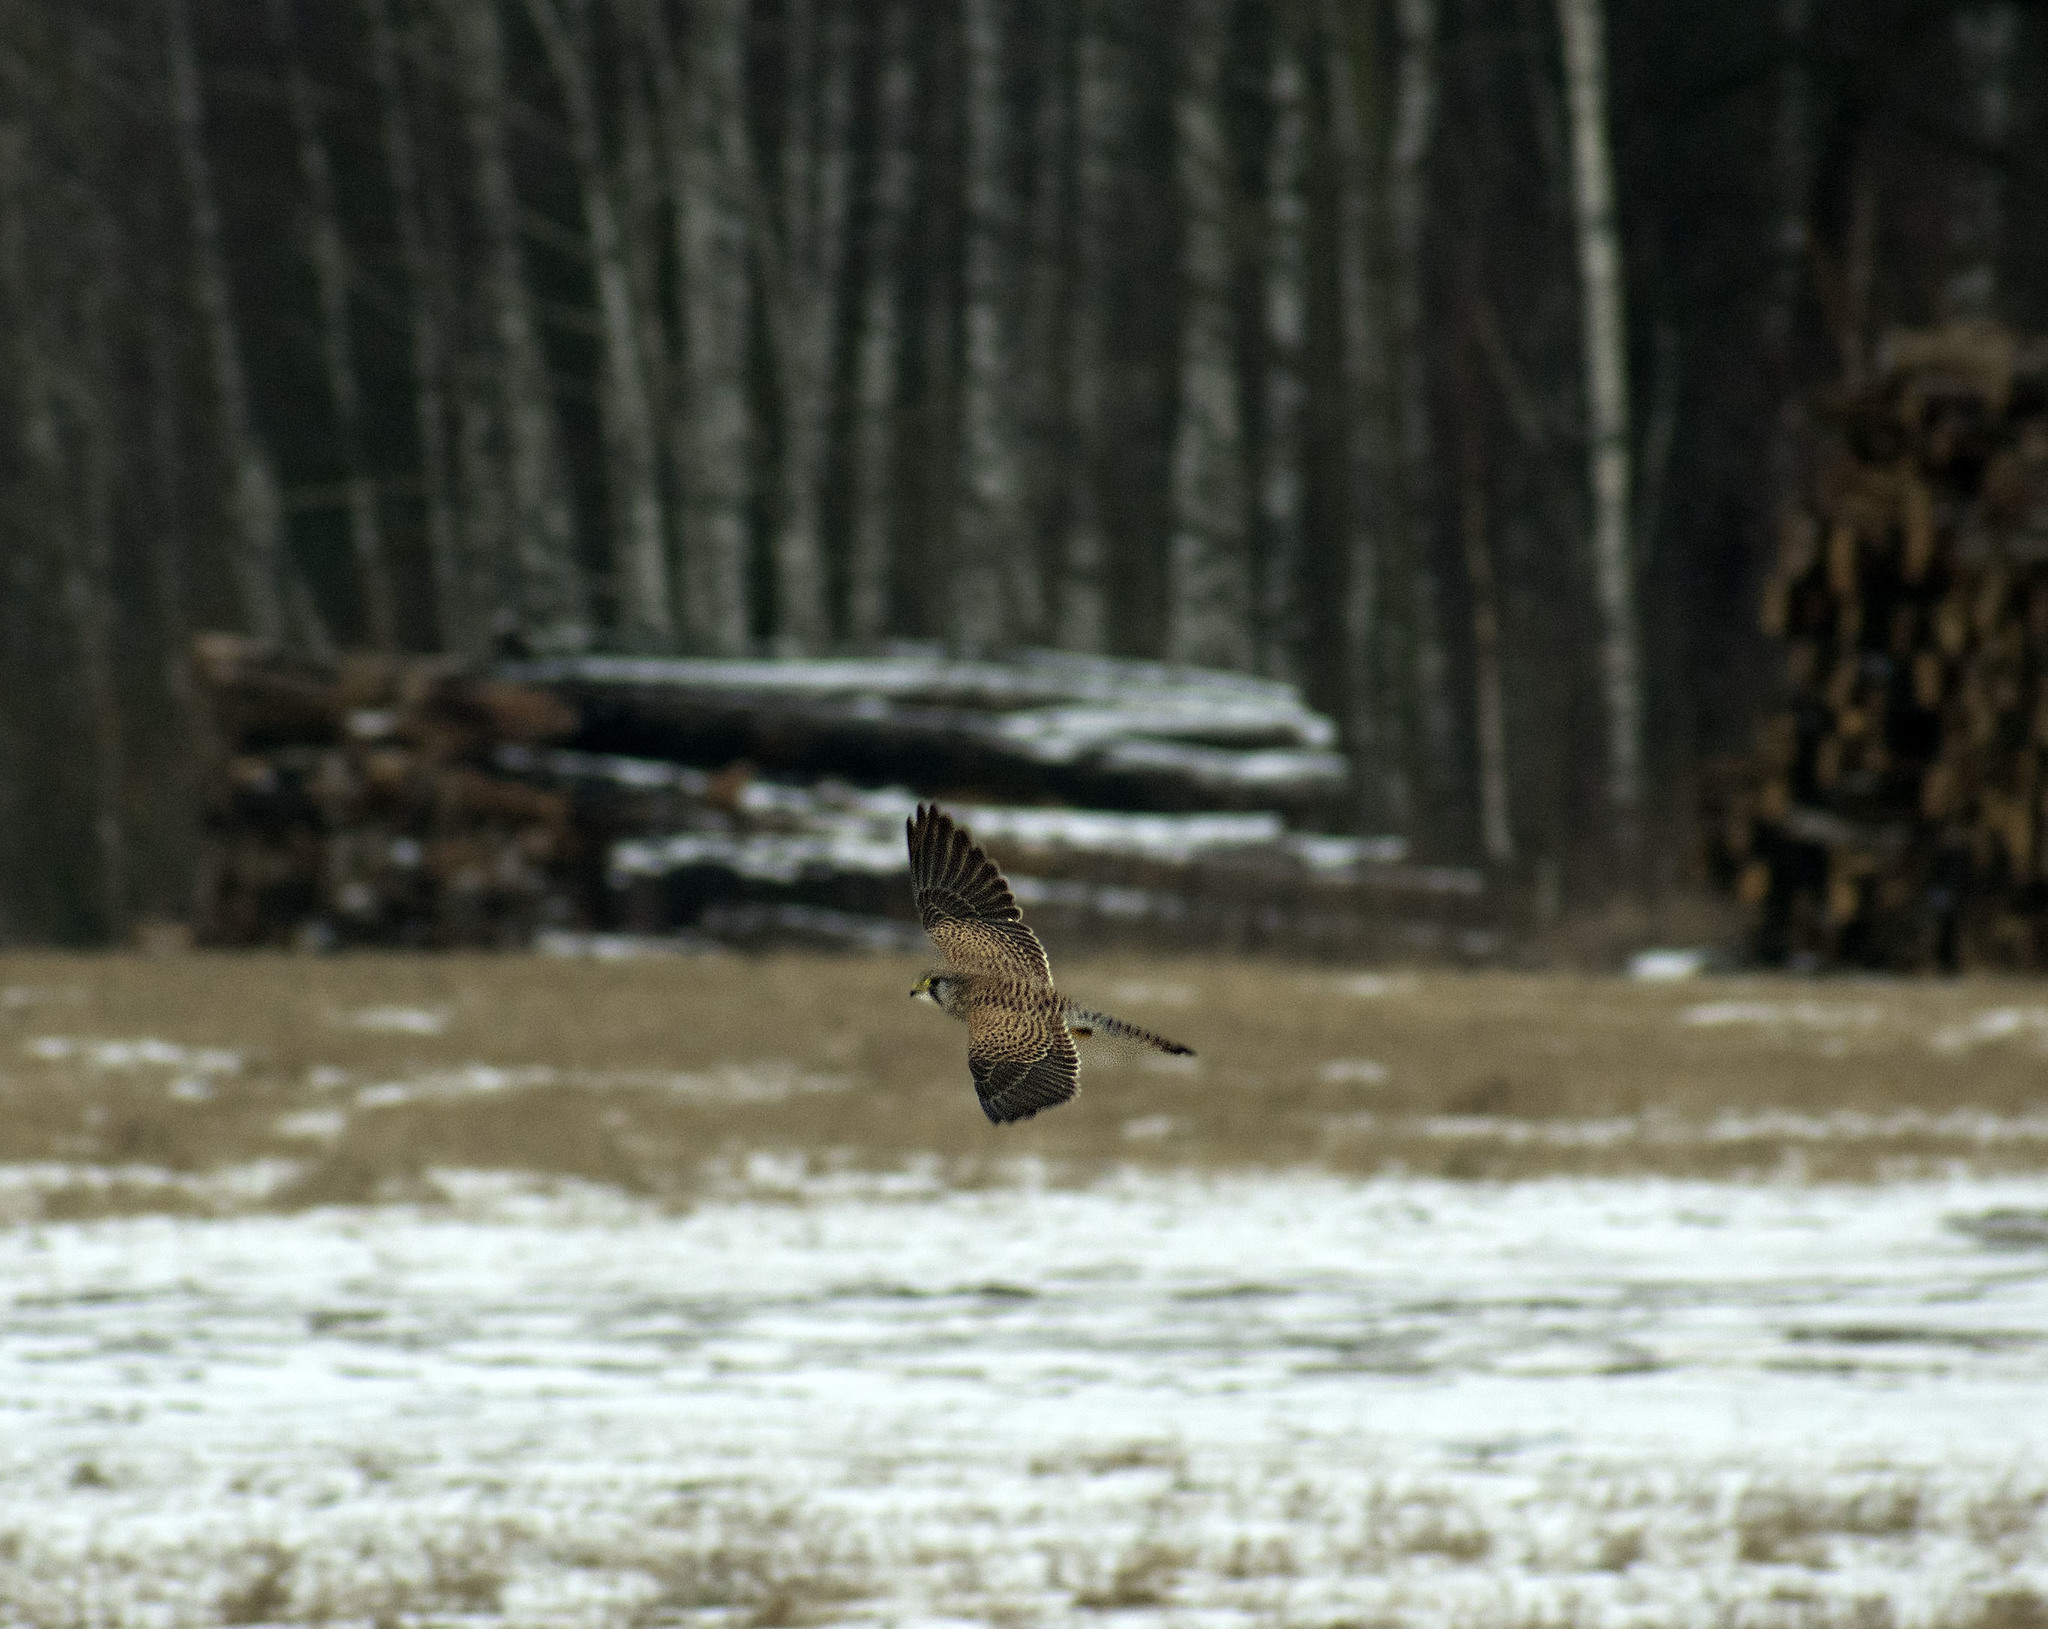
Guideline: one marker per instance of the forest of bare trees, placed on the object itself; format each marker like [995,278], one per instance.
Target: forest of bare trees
[1449,358]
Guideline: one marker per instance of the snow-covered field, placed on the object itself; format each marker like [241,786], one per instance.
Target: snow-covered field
[1260,1399]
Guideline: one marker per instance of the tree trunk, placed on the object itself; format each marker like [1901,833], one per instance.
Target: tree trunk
[1412,145]
[328,255]
[878,359]
[1496,829]
[803,262]
[626,412]
[700,102]
[1283,310]
[994,590]
[1209,611]
[71,498]
[1791,164]
[1374,722]
[257,516]
[428,303]
[1605,340]
[1986,37]
[548,581]
[1079,601]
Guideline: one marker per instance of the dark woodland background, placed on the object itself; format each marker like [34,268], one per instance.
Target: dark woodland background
[1265,334]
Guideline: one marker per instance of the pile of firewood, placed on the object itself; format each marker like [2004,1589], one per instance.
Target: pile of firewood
[599,801]
[355,802]
[1895,811]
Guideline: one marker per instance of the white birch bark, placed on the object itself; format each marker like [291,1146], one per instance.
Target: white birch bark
[625,408]
[548,586]
[327,253]
[255,510]
[881,340]
[994,591]
[700,103]
[803,267]
[1408,170]
[1284,311]
[428,304]
[1605,340]
[1986,37]
[1209,599]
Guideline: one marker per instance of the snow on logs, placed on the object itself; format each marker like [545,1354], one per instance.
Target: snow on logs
[1085,730]
[406,801]
[1894,813]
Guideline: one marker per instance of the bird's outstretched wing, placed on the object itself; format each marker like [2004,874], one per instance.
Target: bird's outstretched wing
[966,907]
[1022,1061]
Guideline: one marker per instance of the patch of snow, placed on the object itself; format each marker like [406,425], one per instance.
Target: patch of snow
[1668,966]
[1277,1400]
[1993,1024]
[1344,1071]
[765,857]
[147,1053]
[766,1082]
[316,1124]
[620,947]
[400,1020]
[1149,1127]
[468,1081]
[1374,986]
[1789,1014]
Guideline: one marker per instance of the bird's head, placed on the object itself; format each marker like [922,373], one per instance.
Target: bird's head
[933,985]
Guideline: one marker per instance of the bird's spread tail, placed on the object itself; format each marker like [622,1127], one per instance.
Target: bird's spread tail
[1086,1024]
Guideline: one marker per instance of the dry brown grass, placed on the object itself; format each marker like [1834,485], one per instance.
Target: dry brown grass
[648,1074]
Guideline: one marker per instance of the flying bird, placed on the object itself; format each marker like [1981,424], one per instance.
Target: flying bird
[1020,1030]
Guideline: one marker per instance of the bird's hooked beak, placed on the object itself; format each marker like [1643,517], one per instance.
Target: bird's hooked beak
[923,987]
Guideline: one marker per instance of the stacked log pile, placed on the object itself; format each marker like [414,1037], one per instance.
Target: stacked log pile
[355,802]
[1895,811]
[385,801]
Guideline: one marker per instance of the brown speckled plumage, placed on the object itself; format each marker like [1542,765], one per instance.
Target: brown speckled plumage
[1020,1046]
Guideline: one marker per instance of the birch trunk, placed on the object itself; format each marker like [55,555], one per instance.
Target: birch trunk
[994,590]
[803,264]
[257,516]
[328,255]
[1374,727]
[625,409]
[1209,609]
[1079,598]
[1283,308]
[428,303]
[548,586]
[700,104]
[877,362]
[1986,37]
[1604,337]
[1408,174]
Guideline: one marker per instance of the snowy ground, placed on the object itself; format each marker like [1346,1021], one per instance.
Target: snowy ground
[1271,1400]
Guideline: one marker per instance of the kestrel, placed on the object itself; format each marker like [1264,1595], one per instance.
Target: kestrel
[1020,1030]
